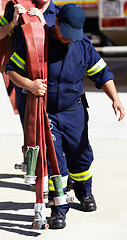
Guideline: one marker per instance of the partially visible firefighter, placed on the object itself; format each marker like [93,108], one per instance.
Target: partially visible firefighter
[10,24]
[10,29]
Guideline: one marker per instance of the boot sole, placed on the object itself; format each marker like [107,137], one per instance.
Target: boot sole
[59,226]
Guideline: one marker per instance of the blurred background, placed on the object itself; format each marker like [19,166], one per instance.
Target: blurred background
[106,26]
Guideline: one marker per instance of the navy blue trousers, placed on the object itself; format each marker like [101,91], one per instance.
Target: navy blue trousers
[69,130]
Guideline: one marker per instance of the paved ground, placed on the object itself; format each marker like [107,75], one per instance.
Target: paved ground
[109,140]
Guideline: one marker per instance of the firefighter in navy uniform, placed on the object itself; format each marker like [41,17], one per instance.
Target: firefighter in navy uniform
[11,25]
[71,55]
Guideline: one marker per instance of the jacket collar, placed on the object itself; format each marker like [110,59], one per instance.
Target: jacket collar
[51,7]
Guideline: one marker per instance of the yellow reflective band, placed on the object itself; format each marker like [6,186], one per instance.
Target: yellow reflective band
[51,185]
[18,61]
[3,21]
[97,67]
[83,176]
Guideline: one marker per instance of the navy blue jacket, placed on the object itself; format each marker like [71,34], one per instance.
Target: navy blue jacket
[67,64]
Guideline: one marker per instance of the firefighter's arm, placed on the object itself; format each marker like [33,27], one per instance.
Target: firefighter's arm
[110,89]
[4,30]
[37,87]
[7,27]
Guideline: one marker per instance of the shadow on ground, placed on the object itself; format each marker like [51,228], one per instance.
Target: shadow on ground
[10,221]
[5,184]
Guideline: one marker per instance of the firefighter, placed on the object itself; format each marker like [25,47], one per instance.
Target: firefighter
[70,56]
[10,24]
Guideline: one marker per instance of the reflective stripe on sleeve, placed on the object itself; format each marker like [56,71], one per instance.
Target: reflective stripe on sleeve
[83,176]
[18,61]
[97,67]
[3,21]
[51,185]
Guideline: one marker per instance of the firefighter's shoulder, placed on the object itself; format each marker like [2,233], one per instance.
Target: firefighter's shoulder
[86,39]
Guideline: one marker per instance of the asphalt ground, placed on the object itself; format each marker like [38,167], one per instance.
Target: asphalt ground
[108,138]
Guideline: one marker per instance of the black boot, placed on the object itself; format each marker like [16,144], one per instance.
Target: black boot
[57,220]
[88,204]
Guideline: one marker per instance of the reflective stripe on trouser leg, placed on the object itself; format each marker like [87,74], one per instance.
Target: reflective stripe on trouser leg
[82,176]
[82,183]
